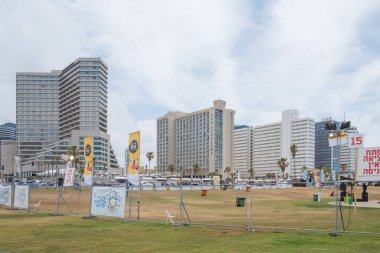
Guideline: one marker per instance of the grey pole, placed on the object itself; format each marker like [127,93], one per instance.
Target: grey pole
[252,229]
[336,183]
[138,202]
[246,210]
[130,202]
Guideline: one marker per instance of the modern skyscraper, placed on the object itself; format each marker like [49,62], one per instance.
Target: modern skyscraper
[322,149]
[58,109]
[203,137]
[272,142]
[8,131]
[323,153]
[242,150]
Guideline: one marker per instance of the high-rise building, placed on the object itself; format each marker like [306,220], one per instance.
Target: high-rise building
[7,147]
[272,142]
[242,150]
[203,137]
[7,154]
[56,110]
[8,131]
[324,153]
[322,150]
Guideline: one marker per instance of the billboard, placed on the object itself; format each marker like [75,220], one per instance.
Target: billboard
[368,164]
[6,195]
[88,171]
[21,199]
[108,201]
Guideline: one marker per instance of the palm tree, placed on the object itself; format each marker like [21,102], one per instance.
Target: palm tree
[282,164]
[195,170]
[150,156]
[343,167]
[251,172]
[171,168]
[293,150]
[56,159]
[327,171]
[227,170]
[73,151]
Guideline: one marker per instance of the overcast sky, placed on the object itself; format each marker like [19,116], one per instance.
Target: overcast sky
[319,57]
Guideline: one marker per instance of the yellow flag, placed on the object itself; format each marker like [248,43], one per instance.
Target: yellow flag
[134,153]
[88,172]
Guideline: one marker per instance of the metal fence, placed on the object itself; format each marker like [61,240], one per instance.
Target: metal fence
[259,207]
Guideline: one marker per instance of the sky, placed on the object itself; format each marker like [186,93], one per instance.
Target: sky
[319,57]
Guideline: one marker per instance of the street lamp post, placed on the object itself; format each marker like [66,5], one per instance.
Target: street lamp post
[336,130]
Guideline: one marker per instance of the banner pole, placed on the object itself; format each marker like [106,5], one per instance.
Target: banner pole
[356,184]
[138,202]
[252,229]
[130,202]
[246,210]
[28,198]
[89,213]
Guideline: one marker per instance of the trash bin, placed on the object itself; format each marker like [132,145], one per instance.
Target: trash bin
[315,197]
[204,193]
[240,202]
[348,200]
[225,187]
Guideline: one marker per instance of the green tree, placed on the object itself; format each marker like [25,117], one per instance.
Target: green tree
[293,150]
[171,168]
[74,156]
[56,161]
[227,170]
[282,164]
[251,172]
[327,171]
[343,168]
[195,170]
[149,156]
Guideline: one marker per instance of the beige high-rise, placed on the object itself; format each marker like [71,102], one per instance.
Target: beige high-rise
[202,137]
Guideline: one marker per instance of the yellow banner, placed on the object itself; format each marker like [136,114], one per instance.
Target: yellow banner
[88,149]
[134,153]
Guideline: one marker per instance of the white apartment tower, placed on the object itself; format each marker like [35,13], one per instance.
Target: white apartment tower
[242,150]
[203,137]
[57,109]
[272,142]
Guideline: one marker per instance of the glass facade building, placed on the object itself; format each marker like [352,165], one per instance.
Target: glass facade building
[322,149]
[8,131]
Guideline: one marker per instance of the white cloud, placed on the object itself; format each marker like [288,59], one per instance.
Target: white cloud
[181,55]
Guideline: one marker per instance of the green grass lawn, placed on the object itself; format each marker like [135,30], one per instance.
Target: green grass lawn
[41,233]
[288,208]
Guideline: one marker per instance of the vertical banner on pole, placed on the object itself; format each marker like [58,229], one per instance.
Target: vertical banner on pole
[134,158]
[6,195]
[89,161]
[69,177]
[21,198]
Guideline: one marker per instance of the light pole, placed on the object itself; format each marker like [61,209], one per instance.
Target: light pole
[337,130]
